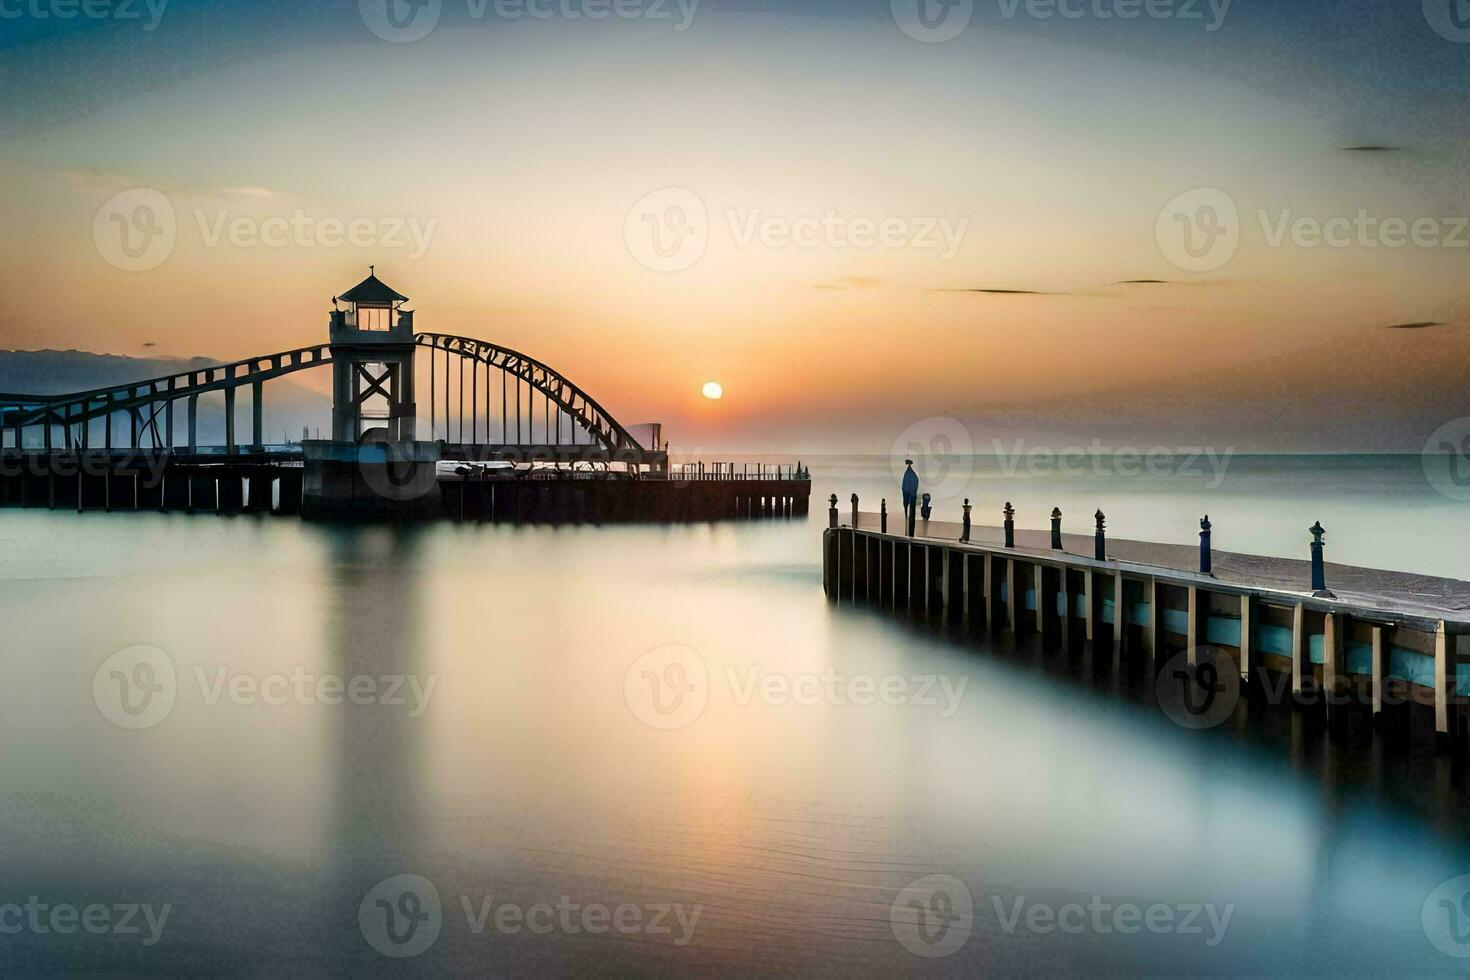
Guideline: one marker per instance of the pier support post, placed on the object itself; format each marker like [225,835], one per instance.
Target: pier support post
[1099,538]
[1151,639]
[992,621]
[1248,610]
[883,515]
[1334,632]
[1380,671]
[1446,670]
[1120,617]
[1093,585]
[1046,604]
[1013,620]
[854,510]
[1298,647]
[965,523]
[832,512]
[1056,529]
[1010,525]
[1069,607]
[1196,625]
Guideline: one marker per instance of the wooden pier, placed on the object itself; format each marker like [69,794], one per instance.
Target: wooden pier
[1382,646]
[287,482]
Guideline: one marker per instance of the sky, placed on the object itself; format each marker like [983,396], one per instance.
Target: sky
[852,215]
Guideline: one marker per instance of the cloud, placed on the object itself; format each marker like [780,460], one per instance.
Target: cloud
[997,291]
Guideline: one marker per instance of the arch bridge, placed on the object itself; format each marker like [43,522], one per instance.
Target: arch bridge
[483,400]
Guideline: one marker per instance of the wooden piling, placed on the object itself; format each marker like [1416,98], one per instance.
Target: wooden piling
[1380,671]
[1298,647]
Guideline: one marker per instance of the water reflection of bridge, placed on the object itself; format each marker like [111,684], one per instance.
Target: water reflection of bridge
[137,445]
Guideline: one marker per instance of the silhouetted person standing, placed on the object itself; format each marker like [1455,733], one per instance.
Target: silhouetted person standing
[910,494]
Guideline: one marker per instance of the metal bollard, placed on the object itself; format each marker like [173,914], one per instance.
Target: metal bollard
[1319,568]
[1010,525]
[854,510]
[965,523]
[883,515]
[832,512]
[1056,528]
[1100,541]
[1206,564]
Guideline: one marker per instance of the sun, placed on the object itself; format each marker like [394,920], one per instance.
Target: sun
[713,390]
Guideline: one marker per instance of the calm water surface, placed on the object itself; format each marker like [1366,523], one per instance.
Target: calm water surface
[750,820]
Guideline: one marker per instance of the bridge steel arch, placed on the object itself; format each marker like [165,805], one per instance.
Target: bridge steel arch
[148,401]
[578,405]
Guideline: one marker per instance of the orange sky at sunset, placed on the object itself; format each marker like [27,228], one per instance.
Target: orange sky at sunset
[520,149]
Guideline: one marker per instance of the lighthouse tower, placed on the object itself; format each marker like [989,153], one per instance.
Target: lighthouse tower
[372,364]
